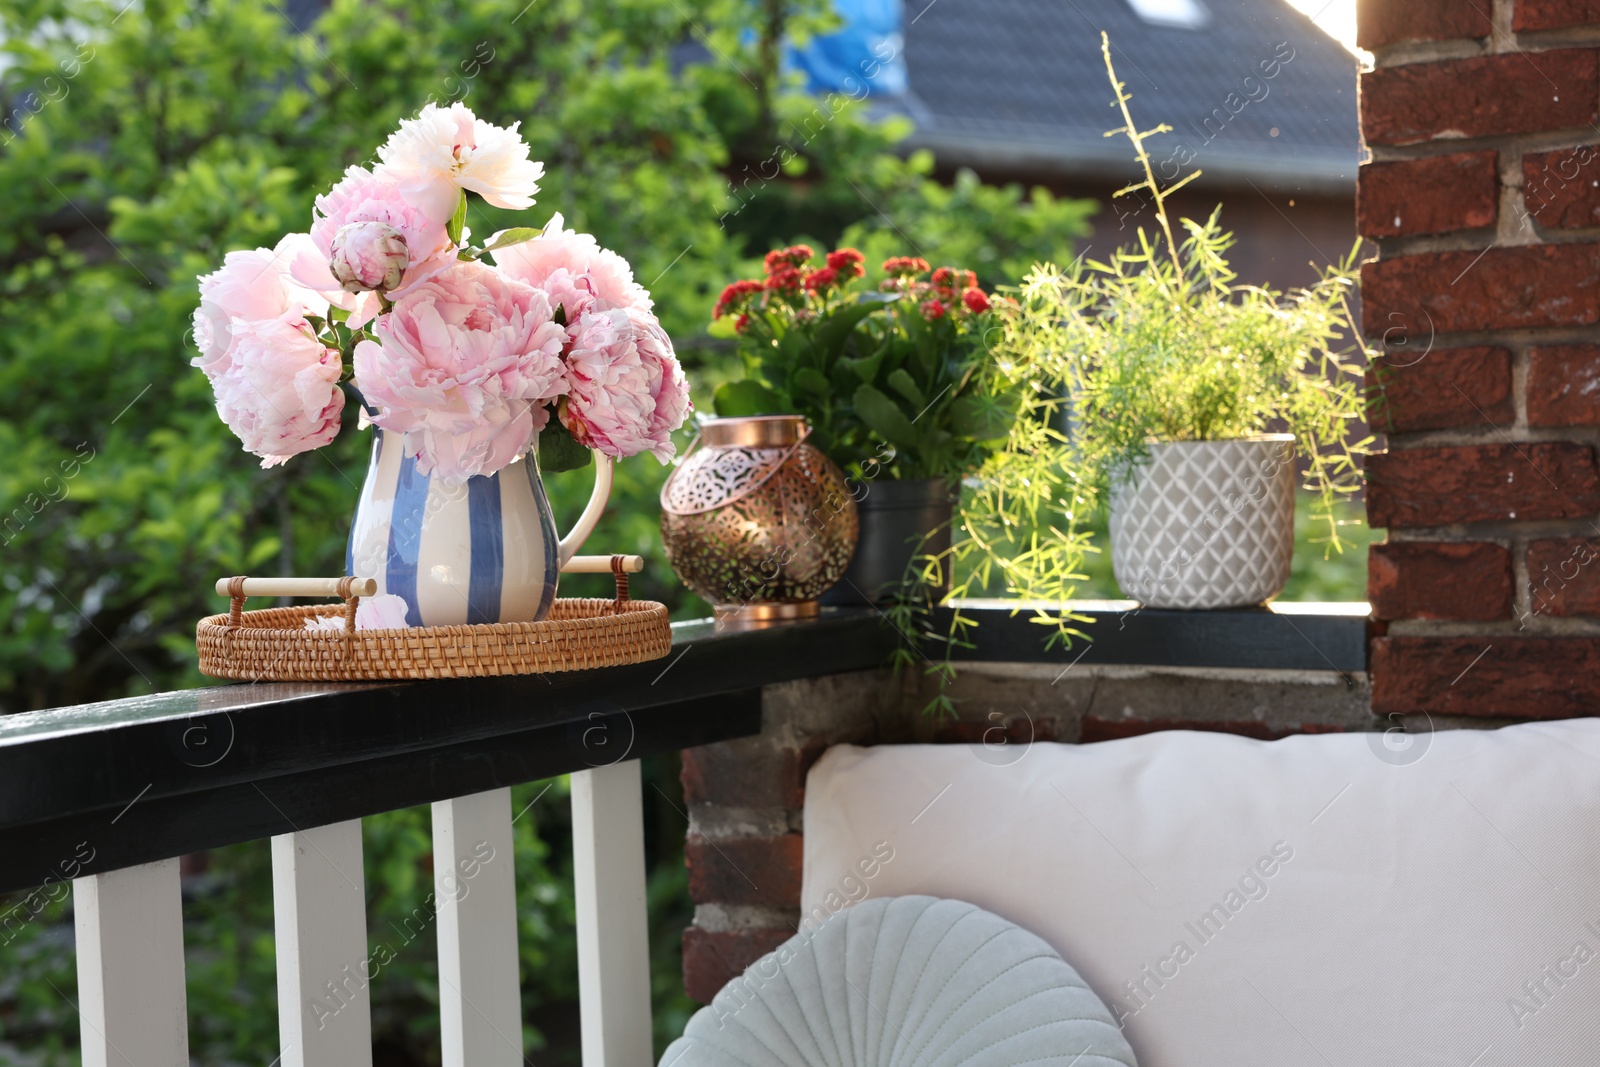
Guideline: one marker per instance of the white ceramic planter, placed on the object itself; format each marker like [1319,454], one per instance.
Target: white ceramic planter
[1206,524]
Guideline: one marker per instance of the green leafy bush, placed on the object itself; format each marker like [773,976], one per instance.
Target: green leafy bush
[191,129]
[160,135]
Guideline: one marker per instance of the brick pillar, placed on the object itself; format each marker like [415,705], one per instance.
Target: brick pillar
[1483,198]
[745,798]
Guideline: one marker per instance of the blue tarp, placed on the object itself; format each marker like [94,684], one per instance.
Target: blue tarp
[865,58]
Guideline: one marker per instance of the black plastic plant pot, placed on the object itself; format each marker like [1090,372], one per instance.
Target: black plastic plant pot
[899,520]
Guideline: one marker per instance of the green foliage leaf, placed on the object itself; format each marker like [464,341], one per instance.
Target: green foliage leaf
[458,221]
[902,383]
[514,236]
[747,398]
[885,417]
[809,380]
[558,451]
[830,336]
[860,369]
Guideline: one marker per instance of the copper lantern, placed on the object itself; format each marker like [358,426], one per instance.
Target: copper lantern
[758,521]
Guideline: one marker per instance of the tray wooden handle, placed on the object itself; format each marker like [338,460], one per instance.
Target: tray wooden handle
[618,567]
[348,589]
[351,590]
[298,587]
[601,564]
[369,586]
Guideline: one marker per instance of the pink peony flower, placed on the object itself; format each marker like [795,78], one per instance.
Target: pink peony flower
[573,293]
[443,150]
[369,255]
[467,353]
[572,266]
[251,286]
[280,391]
[502,439]
[364,197]
[626,391]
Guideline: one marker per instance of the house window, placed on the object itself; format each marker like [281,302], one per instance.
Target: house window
[1182,14]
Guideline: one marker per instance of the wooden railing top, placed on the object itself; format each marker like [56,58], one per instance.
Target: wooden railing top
[162,775]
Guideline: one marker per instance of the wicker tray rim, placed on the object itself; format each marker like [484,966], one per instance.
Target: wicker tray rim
[580,633]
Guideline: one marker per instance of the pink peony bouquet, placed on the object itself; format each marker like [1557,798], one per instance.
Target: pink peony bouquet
[468,358]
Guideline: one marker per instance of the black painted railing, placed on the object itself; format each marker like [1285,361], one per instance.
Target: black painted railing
[109,793]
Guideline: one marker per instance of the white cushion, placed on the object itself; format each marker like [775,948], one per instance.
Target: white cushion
[1320,899]
[902,982]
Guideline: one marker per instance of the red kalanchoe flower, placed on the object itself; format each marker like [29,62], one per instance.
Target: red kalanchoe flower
[740,323]
[848,262]
[905,266]
[785,280]
[793,256]
[976,300]
[944,277]
[821,279]
[735,296]
[933,309]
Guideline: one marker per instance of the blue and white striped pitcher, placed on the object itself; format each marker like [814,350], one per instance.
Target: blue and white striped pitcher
[480,551]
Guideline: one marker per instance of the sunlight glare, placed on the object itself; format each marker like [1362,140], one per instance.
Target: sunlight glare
[1336,17]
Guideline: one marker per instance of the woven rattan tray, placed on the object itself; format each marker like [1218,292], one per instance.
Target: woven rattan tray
[274,645]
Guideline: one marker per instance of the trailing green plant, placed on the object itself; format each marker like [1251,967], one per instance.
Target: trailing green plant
[1159,343]
[905,365]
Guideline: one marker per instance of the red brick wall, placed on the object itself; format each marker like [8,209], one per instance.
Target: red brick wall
[1483,198]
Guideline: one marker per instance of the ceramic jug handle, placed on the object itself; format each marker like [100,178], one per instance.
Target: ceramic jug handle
[592,511]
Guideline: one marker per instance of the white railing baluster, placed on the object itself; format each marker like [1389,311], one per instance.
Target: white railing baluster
[131,1003]
[475,894]
[320,914]
[613,933]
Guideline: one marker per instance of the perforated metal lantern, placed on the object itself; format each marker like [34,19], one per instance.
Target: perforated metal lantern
[756,520]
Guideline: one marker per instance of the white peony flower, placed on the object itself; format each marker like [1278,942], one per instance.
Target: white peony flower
[445,149]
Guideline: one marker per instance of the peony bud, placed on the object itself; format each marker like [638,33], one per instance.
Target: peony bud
[369,255]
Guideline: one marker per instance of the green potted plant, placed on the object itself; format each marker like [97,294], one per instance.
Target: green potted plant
[896,382]
[1184,404]
[1177,378]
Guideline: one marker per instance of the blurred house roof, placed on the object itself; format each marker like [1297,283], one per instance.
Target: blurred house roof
[1021,84]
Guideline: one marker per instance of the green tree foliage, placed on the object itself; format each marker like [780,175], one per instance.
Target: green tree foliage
[147,139]
[144,139]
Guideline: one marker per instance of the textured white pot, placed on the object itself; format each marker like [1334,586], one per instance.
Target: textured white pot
[1206,524]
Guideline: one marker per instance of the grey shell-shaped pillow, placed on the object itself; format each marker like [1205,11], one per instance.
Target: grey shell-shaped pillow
[905,981]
